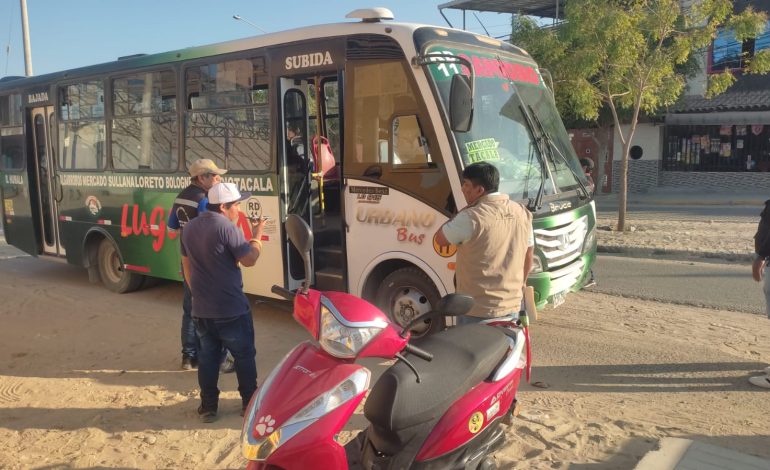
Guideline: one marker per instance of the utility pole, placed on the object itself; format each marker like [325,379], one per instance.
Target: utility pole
[25,34]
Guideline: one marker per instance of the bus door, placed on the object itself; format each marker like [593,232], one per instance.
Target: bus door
[45,180]
[311,173]
[295,165]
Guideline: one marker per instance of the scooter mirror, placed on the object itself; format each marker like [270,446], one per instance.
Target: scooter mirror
[453,305]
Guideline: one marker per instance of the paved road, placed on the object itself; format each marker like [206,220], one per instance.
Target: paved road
[725,286]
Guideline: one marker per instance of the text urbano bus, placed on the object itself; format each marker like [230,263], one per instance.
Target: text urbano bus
[92,158]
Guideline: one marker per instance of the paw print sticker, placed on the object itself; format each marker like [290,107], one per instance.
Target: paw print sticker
[265,425]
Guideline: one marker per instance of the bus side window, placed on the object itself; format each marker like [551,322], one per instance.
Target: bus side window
[82,126]
[144,126]
[228,115]
[410,147]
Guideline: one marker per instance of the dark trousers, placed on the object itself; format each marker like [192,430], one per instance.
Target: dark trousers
[237,335]
[190,342]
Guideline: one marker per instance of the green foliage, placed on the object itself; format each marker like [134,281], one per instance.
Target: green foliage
[633,54]
[718,83]
[760,63]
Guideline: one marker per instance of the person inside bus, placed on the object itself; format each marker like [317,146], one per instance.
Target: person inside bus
[212,246]
[204,174]
[495,242]
[297,166]
[588,166]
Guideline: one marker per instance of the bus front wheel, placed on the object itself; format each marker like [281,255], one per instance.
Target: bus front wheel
[406,294]
[114,277]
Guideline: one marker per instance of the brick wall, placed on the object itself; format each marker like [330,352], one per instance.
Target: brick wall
[642,175]
[737,181]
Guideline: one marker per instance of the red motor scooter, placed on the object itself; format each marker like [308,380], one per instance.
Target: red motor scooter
[440,406]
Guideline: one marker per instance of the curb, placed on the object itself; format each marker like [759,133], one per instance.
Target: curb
[674,201]
[687,254]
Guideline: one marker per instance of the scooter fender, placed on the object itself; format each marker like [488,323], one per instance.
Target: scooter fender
[306,374]
[469,415]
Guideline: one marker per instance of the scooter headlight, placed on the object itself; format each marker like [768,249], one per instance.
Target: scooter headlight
[341,338]
[259,440]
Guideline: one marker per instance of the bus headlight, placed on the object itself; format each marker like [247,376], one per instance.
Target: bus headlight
[537,265]
[590,241]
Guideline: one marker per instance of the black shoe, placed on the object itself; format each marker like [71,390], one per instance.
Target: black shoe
[243,410]
[189,363]
[207,415]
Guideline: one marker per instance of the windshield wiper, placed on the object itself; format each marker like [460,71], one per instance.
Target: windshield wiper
[532,204]
[552,147]
[535,204]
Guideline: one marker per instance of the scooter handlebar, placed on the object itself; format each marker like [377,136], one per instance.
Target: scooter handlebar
[285,293]
[421,353]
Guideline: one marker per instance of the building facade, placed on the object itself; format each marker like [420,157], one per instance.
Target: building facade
[721,143]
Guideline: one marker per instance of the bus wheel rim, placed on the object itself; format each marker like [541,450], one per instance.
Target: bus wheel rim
[112,266]
[409,303]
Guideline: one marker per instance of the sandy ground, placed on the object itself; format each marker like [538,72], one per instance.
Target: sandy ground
[89,379]
[723,239]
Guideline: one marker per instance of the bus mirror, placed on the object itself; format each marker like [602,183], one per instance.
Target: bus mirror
[460,103]
[301,237]
[299,233]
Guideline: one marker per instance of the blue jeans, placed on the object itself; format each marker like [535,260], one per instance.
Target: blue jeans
[237,335]
[190,342]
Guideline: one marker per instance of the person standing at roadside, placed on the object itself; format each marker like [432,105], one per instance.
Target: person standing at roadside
[204,174]
[759,272]
[212,247]
[495,243]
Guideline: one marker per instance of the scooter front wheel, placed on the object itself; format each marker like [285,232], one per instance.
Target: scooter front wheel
[488,463]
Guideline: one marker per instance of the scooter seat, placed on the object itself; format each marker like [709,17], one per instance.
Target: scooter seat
[462,357]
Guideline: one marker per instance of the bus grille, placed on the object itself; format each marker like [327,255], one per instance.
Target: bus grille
[563,279]
[562,245]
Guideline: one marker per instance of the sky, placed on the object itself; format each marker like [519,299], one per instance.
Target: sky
[65,34]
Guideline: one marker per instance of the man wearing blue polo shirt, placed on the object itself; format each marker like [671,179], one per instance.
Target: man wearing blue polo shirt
[212,247]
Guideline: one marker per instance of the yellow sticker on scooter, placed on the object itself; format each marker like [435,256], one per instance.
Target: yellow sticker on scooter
[476,422]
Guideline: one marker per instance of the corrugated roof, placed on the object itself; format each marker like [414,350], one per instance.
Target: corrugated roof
[749,93]
[543,8]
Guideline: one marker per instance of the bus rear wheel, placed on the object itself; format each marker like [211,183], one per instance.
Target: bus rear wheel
[114,277]
[406,294]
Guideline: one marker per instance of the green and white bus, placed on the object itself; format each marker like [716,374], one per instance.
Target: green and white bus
[389,114]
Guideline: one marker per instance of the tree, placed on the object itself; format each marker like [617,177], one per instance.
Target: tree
[630,56]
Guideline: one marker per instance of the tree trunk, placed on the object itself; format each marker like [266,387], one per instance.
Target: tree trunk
[623,191]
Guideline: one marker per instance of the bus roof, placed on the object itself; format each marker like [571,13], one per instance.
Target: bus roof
[365,26]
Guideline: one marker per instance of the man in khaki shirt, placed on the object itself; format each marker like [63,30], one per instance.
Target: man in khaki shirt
[494,245]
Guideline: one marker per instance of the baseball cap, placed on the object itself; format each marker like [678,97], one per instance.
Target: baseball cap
[223,193]
[203,166]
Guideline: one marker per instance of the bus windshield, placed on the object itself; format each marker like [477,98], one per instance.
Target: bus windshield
[504,90]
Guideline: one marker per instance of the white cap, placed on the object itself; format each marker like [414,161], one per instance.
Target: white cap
[223,193]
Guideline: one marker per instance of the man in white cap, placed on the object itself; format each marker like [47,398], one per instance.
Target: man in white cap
[204,174]
[212,247]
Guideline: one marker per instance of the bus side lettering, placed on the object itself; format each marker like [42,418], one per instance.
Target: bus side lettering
[139,225]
